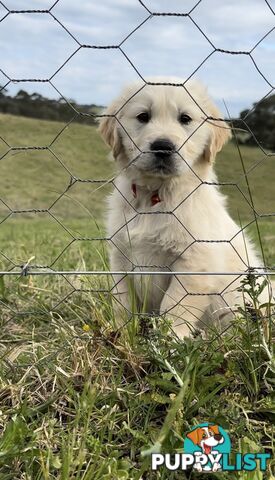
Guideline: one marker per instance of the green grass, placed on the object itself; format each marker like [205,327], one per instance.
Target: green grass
[251,199]
[79,399]
[36,179]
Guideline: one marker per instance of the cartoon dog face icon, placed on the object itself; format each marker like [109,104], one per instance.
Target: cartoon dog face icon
[206,438]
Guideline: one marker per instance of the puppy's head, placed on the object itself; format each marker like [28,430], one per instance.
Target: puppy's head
[163,130]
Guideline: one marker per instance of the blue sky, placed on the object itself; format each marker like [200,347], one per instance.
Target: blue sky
[36,46]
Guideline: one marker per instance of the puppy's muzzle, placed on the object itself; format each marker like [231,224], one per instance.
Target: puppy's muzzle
[162,148]
[163,151]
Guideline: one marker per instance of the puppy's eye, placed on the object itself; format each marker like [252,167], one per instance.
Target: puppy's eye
[143,117]
[184,119]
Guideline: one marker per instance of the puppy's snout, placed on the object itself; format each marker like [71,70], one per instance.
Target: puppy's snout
[218,437]
[162,147]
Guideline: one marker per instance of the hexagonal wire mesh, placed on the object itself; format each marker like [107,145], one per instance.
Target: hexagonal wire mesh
[78,280]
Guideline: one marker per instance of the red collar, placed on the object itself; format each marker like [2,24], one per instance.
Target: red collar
[154,197]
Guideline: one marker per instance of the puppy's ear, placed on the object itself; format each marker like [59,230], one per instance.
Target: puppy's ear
[109,131]
[220,133]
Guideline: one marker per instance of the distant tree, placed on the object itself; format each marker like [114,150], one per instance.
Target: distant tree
[261,121]
[36,97]
[36,106]
[3,91]
[22,95]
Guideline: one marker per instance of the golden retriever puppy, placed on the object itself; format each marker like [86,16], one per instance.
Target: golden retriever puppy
[166,213]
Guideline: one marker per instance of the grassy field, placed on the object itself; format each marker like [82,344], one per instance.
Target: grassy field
[36,179]
[79,400]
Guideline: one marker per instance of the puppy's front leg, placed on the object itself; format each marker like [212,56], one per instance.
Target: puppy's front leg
[184,310]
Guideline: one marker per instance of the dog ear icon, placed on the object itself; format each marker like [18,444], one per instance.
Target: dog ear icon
[215,429]
[194,436]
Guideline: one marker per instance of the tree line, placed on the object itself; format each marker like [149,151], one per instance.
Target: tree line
[257,122]
[35,105]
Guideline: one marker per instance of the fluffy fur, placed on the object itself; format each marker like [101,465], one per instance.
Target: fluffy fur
[176,234]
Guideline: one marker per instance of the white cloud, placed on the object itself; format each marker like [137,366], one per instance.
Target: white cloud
[101,23]
[175,6]
[94,76]
[27,4]
[264,56]
[234,24]
[233,79]
[33,46]
[167,46]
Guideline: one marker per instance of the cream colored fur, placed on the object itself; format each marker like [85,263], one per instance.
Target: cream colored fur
[190,210]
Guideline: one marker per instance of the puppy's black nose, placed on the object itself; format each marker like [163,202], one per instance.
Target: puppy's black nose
[162,147]
[218,436]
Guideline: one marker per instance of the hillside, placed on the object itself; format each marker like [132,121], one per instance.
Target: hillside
[36,105]
[34,179]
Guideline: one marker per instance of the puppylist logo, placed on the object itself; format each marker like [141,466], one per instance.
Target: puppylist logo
[207,448]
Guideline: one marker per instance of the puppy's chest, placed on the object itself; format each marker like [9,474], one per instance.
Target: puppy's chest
[157,236]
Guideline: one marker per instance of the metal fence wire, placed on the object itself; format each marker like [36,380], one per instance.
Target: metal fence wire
[96,282]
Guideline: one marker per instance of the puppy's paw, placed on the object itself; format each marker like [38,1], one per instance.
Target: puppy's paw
[185,330]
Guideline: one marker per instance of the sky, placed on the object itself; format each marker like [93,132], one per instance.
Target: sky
[38,46]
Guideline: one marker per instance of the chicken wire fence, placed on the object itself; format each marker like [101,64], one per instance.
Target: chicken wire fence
[91,278]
